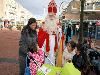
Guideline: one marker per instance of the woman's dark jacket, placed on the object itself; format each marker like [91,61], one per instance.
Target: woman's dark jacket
[27,38]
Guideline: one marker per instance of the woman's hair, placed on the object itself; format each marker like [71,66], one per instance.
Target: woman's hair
[73,44]
[32,48]
[27,27]
[31,20]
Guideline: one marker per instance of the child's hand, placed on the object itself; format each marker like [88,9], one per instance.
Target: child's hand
[69,61]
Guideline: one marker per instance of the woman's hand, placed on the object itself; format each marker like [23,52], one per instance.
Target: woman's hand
[29,54]
[46,54]
[37,30]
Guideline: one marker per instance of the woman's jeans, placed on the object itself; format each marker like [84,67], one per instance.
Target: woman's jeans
[22,65]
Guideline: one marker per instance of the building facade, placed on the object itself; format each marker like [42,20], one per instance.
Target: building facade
[71,12]
[91,10]
[1,9]
[13,13]
[91,16]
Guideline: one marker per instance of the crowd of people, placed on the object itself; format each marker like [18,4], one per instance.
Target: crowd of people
[36,43]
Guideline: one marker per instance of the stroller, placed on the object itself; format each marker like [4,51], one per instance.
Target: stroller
[44,70]
[47,69]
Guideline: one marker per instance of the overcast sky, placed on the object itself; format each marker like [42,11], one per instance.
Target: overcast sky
[37,7]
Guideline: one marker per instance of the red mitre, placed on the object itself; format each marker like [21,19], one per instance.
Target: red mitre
[52,7]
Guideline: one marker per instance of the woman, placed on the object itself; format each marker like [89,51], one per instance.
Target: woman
[28,37]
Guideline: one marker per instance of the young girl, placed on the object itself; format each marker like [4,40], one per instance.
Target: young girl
[69,52]
[38,56]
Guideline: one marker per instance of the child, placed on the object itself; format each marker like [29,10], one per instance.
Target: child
[81,61]
[69,52]
[77,60]
[38,55]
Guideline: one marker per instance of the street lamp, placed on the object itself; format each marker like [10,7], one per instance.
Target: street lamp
[61,5]
[62,9]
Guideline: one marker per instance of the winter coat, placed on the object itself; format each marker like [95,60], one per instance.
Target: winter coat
[26,40]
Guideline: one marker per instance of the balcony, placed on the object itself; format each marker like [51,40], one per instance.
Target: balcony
[88,6]
[95,7]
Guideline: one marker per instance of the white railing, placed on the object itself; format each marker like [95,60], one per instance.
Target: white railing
[92,6]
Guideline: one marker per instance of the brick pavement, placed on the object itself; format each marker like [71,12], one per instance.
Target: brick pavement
[9,44]
[8,68]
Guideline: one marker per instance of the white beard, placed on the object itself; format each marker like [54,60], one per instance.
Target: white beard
[51,24]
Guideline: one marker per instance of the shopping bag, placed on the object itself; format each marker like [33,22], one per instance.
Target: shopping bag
[27,69]
[48,70]
[69,69]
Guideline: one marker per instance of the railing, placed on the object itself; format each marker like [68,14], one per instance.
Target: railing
[92,6]
[88,6]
